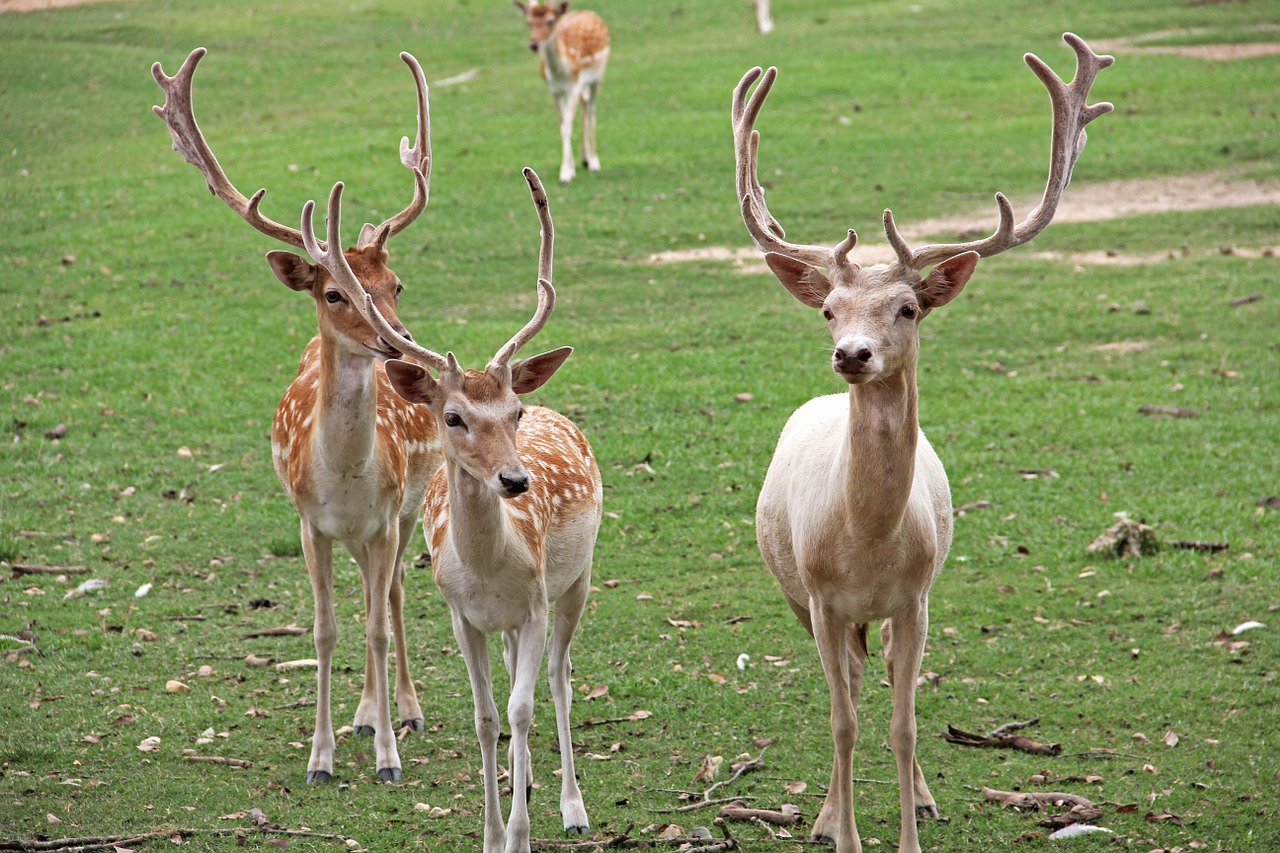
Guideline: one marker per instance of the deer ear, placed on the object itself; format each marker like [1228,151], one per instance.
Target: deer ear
[412,381]
[946,280]
[523,7]
[808,284]
[295,271]
[530,374]
[562,8]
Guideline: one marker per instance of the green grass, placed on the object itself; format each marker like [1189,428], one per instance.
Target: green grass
[137,310]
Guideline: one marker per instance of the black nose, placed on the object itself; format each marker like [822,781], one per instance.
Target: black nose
[514,485]
[862,355]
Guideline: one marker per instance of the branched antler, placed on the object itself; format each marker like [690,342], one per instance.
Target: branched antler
[1071,113]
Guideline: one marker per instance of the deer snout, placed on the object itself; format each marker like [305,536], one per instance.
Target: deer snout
[533,45]
[514,482]
[853,358]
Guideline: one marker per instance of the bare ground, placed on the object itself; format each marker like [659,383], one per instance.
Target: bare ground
[1081,203]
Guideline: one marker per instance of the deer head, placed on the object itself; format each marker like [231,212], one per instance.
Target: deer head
[541,18]
[340,304]
[874,312]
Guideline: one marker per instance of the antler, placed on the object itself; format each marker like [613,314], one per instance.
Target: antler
[765,230]
[189,141]
[1070,115]
[546,293]
[416,158]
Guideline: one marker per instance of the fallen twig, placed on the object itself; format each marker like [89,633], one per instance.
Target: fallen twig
[1199,545]
[286,631]
[1001,731]
[1036,799]
[218,759]
[1245,300]
[737,811]
[693,807]
[756,763]
[32,569]
[1018,742]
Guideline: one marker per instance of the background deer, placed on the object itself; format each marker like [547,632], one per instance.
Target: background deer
[854,517]
[353,456]
[573,49]
[511,520]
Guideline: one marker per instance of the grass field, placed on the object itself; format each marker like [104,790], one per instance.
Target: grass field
[137,313]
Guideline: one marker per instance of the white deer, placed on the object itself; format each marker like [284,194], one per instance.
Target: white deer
[764,21]
[854,517]
[573,50]
[353,456]
[511,520]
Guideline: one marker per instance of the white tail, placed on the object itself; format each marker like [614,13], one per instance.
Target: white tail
[854,517]
[512,521]
[574,49]
[353,456]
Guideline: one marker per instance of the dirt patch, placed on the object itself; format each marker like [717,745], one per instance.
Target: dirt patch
[1081,203]
[39,5]
[1213,52]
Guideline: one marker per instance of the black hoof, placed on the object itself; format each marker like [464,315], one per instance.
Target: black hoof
[927,811]
[417,724]
[364,731]
[822,839]
[577,830]
[317,777]
[389,774]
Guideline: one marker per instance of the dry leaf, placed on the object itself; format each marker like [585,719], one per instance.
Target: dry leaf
[150,744]
[1170,739]
[710,768]
[286,665]
[597,692]
[796,787]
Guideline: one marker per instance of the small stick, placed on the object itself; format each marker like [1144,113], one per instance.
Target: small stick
[1001,731]
[31,569]
[218,759]
[702,805]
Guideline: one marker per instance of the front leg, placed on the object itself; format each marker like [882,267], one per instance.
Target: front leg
[908,635]
[475,653]
[925,805]
[377,570]
[407,705]
[531,640]
[567,100]
[510,650]
[843,669]
[318,550]
[569,609]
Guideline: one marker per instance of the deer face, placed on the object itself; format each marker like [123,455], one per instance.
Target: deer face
[874,314]
[479,413]
[541,18]
[335,314]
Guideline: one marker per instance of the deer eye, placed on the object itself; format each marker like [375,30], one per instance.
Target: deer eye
[452,419]
[399,288]
[520,414]
[908,311]
[826,313]
[333,297]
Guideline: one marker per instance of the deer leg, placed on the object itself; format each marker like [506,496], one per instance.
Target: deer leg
[925,805]
[531,641]
[590,97]
[377,570]
[365,722]
[843,669]
[764,21]
[568,107]
[907,643]
[318,550]
[475,652]
[407,705]
[510,647]
[569,609]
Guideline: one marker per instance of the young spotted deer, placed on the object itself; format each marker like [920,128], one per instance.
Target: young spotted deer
[354,457]
[511,520]
[854,517]
[573,49]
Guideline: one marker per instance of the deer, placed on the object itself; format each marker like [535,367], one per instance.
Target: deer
[352,455]
[573,50]
[854,515]
[511,520]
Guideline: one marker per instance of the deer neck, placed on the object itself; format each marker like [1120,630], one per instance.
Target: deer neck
[879,453]
[553,66]
[478,526]
[346,415]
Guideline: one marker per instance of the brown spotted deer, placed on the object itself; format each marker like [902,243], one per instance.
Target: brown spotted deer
[511,520]
[854,517]
[354,457]
[573,49]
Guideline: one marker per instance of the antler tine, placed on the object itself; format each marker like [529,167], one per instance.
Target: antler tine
[761,224]
[335,261]
[189,141]
[540,203]
[546,302]
[1071,112]
[417,158]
